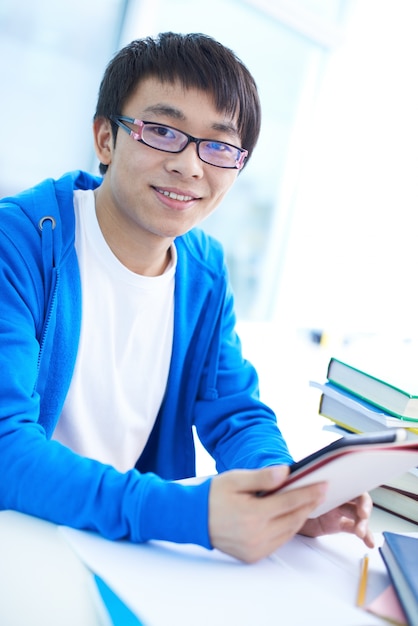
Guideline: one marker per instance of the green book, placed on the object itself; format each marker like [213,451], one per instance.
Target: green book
[387,392]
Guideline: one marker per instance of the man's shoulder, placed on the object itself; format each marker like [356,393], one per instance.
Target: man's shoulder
[49,193]
[50,198]
[23,216]
[202,246]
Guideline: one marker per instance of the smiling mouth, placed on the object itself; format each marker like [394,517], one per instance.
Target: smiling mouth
[175,196]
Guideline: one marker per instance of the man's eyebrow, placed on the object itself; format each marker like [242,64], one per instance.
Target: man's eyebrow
[165,109]
[176,114]
[226,127]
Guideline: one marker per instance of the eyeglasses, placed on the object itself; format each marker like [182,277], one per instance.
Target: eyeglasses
[169,139]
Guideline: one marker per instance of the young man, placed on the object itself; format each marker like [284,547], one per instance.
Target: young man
[117,325]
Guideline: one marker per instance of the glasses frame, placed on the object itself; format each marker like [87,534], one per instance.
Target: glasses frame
[121,119]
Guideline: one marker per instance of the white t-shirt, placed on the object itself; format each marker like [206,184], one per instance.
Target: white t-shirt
[125,348]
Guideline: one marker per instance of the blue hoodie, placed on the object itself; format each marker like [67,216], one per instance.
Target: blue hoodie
[210,385]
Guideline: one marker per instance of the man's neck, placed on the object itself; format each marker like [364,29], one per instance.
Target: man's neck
[148,256]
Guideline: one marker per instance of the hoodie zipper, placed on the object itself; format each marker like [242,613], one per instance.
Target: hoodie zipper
[47,225]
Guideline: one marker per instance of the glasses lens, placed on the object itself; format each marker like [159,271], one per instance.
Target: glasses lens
[170,139]
[218,153]
[163,137]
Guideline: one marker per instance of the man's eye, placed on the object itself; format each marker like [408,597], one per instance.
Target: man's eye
[163,131]
[217,146]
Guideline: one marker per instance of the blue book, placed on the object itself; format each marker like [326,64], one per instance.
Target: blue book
[400,554]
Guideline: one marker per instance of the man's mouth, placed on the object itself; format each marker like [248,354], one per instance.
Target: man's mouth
[175,196]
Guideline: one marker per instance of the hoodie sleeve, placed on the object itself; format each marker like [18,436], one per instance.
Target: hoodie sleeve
[233,424]
[45,479]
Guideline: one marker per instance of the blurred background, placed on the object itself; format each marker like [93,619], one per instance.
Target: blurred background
[320,231]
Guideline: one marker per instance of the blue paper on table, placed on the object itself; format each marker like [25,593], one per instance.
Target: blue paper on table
[119,613]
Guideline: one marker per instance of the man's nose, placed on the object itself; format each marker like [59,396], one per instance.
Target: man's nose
[187,162]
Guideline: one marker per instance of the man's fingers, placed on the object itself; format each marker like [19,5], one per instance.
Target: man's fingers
[265,480]
[250,526]
[306,498]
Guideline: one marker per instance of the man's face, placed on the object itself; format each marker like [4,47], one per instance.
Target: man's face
[154,195]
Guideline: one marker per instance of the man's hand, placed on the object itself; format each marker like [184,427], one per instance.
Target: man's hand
[351,517]
[250,527]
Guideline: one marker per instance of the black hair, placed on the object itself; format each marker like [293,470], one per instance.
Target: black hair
[196,61]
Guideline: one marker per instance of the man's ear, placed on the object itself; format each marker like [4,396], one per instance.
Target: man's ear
[103,140]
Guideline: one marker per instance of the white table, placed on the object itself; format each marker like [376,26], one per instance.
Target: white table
[43,583]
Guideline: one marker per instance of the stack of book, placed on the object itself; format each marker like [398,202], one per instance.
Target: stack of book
[357,401]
